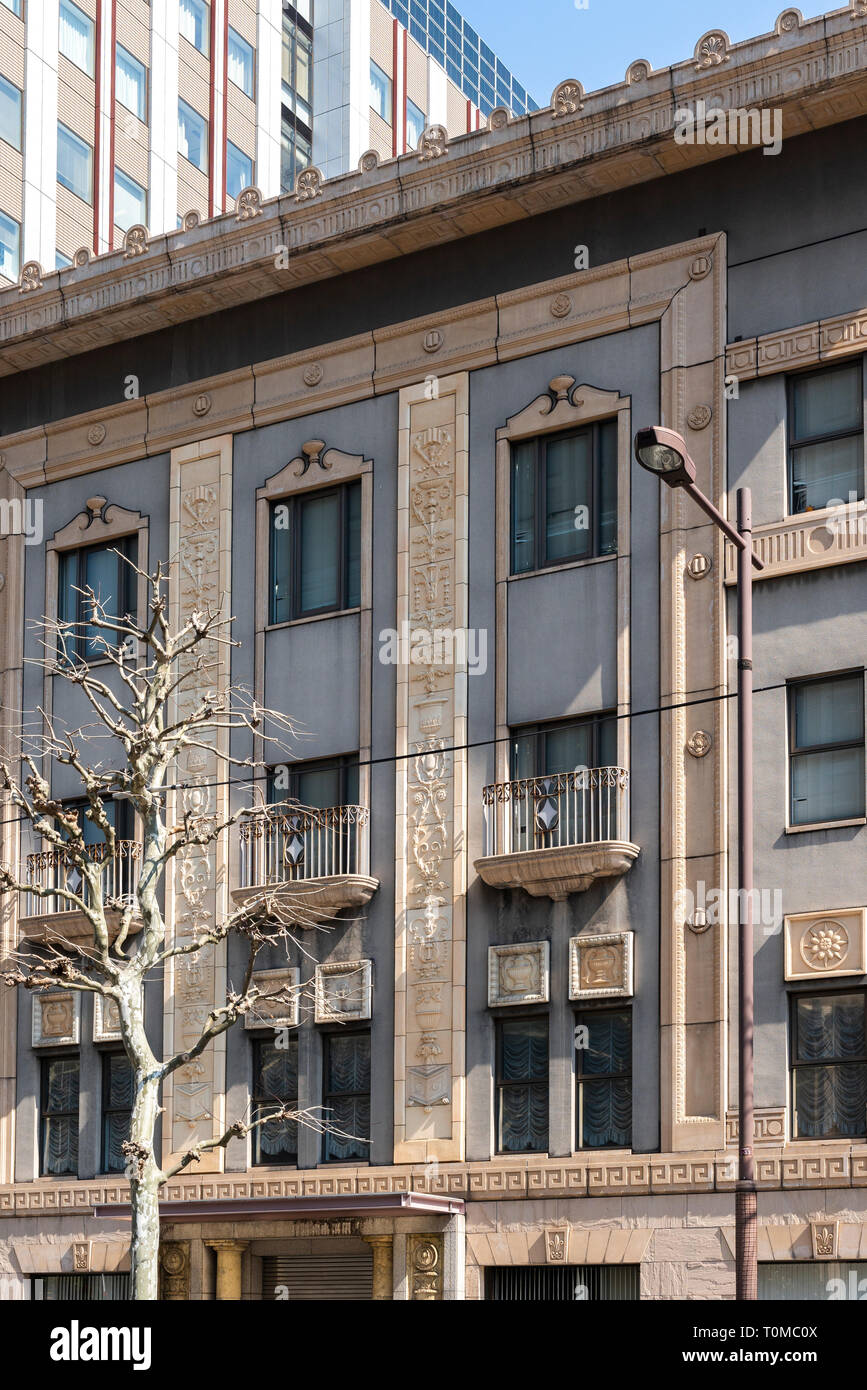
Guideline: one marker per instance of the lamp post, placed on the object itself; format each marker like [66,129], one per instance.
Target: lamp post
[664,453]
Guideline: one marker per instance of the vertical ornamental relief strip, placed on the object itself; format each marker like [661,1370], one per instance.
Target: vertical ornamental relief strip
[197,885]
[11,669]
[430,869]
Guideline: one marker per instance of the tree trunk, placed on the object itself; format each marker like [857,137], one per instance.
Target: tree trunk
[143,1171]
[145,1236]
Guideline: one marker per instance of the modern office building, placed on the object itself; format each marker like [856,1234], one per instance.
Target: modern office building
[511,653]
[122,113]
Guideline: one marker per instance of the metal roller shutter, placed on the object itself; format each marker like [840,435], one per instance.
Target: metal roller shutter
[562,1282]
[318,1276]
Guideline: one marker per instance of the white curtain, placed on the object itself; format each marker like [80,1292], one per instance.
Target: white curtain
[192,23]
[240,64]
[130,84]
[76,32]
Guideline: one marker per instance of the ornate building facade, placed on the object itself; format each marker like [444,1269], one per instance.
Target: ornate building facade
[512,660]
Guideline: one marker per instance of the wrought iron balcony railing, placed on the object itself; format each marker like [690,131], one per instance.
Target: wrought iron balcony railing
[55,869]
[567,808]
[294,845]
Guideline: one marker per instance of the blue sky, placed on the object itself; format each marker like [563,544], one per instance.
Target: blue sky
[546,40]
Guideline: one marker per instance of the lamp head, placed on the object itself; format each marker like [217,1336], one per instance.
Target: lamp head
[663,452]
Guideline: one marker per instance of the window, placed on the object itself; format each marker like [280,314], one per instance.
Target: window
[193,24]
[826,437]
[81,1288]
[118,813]
[829,1068]
[316,553]
[541,750]
[76,36]
[347,1096]
[192,136]
[74,164]
[564,497]
[296,152]
[10,247]
[522,1085]
[604,1080]
[112,580]
[118,1091]
[58,1143]
[826,749]
[297,66]
[130,202]
[10,114]
[275,1083]
[380,92]
[414,125]
[132,83]
[322,784]
[240,63]
[61,260]
[239,170]
[14,6]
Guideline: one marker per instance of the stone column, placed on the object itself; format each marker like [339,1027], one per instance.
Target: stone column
[229,1254]
[383,1266]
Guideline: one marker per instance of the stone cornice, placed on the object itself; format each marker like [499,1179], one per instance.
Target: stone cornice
[583,145]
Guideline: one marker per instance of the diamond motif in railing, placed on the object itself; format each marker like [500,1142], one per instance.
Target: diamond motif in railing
[547,812]
[74,880]
[293,845]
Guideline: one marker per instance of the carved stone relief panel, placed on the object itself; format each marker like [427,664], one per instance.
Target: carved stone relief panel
[343,991]
[822,944]
[425,1264]
[275,1013]
[56,1019]
[601,966]
[518,974]
[106,1020]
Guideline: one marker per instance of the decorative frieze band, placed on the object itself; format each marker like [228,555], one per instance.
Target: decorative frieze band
[833,536]
[805,345]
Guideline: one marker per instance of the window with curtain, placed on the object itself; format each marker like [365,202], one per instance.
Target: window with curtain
[275,1083]
[111,579]
[522,1085]
[14,6]
[240,63]
[316,553]
[58,1146]
[10,114]
[414,125]
[131,83]
[74,164]
[826,437]
[826,749]
[603,1076]
[193,24]
[118,1092]
[829,1065]
[296,151]
[346,1100]
[380,92]
[130,202]
[239,170]
[564,497]
[10,247]
[76,36]
[541,750]
[192,136]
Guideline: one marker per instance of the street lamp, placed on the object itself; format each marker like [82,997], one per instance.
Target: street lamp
[663,452]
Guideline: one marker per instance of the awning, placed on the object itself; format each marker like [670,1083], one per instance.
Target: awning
[292,1208]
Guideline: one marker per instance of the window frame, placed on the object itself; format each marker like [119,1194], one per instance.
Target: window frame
[362,1029]
[342,764]
[793,443]
[388,94]
[140,115]
[411,103]
[582,1014]
[4,216]
[500,1022]
[206,145]
[88,200]
[128,544]
[257,1101]
[540,731]
[105,1109]
[12,86]
[90,70]
[45,1114]
[231,146]
[796,750]
[205,7]
[246,44]
[293,502]
[541,442]
[795,995]
[120,174]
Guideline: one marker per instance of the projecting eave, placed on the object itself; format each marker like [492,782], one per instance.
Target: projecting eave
[583,145]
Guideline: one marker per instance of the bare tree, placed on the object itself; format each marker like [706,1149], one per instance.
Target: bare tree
[127,941]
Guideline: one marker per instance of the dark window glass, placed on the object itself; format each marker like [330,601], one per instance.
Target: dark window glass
[329,782]
[829,1070]
[296,151]
[316,553]
[59,1137]
[118,1091]
[347,1095]
[826,437]
[117,813]
[112,580]
[604,1079]
[564,497]
[275,1083]
[540,750]
[826,746]
[522,1085]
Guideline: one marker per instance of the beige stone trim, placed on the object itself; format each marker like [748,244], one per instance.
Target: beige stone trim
[809,541]
[771,1125]
[792,349]
[12,551]
[799,1240]
[65,1256]
[200,547]
[431,775]
[603,1245]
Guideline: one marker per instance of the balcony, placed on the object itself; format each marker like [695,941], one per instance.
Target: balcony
[557,834]
[53,918]
[317,860]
